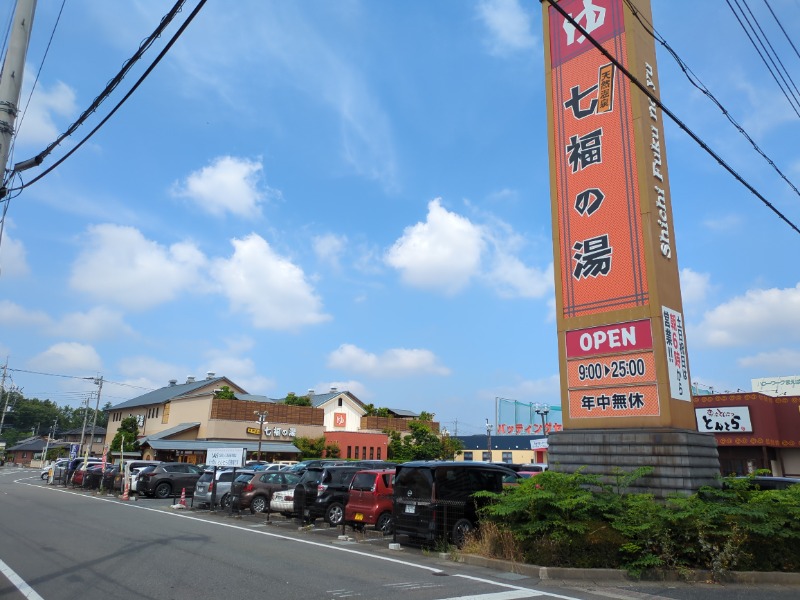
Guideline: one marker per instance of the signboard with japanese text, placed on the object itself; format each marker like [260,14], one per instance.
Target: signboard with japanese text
[677,361]
[340,419]
[225,457]
[724,419]
[616,266]
[274,432]
[611,371]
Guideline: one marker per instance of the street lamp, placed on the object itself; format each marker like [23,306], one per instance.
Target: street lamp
[542,410]
[262,417]
[489,439]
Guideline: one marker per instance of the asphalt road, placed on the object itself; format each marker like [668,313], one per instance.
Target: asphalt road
[58,544]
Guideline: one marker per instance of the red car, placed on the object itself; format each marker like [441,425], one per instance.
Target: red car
[370,500]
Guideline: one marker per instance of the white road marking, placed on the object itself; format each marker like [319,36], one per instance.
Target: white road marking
[18,582]
[515,591]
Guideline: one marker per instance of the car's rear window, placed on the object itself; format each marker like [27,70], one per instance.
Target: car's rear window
[205,477]
[414,482]
[312,476]
[363,481]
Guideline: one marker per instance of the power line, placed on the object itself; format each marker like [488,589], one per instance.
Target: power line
[697,83]
[138,387]
[668,112]
[136,85]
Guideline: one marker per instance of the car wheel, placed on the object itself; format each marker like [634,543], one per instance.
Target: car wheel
[258,505]
[44,476]
[460,531]
[225,502]
[334,514]
[384,524]
[163,490]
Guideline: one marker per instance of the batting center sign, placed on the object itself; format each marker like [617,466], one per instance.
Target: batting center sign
[622,344]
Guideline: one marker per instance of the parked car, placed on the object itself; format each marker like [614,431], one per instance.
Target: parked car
[434,500]
[59,463]
[270,467]
[74,464]
[371,500]
[168,478]
[283,502]
[96,474]
[533,467]
[208,488]
[322,493]
[59,469]
[768,482]
[136,473]
[256,493]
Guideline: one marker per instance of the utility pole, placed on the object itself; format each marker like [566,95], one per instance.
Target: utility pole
[489,439]
[262,415]
[2,394]
[11,78]
[98,381]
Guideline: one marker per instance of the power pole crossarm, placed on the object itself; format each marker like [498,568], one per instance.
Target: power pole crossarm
[11,78]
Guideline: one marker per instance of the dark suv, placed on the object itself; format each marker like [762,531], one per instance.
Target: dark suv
[435,500]
[168,479]
[322,493]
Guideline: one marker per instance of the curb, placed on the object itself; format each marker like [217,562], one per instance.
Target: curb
[563,573]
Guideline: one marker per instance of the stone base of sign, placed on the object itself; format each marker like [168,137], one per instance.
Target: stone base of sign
[683,460]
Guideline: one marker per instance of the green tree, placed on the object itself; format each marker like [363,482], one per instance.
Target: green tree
[129,431]
[225,392]
[310,447]
[426,416]
[333,451]
[293,400]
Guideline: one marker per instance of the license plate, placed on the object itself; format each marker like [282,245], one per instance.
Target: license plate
[359,517]
[410,508]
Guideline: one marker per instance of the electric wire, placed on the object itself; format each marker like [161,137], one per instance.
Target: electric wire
[105,381]
[696,82]
[777,20]
[36,79]
[764,60]
[115,81]
[136,85]
[669,113]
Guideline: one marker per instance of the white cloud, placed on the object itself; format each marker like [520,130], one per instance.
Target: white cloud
[509,26]
[13,261]
[396,362]
[68,357]
[119,265]
[36,127]
[442,254]
[14,315]
[329,248]
[242,370]
[694,286]
[147,372]
[228,184]
[97,323]
[266,286]
[724,223]
[760,316]
[545,390]
[777,361]
[513,279]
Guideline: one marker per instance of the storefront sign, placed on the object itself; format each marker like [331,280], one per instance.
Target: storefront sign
[724,419]
[677,362]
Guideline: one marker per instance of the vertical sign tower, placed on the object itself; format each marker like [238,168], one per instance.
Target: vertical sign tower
[626,389]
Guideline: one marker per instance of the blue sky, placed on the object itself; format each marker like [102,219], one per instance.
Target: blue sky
[356,194]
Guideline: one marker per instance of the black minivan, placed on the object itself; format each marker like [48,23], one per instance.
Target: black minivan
[433,500]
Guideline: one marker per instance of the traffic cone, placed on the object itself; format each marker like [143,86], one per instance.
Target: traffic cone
[183,497]
[125,493]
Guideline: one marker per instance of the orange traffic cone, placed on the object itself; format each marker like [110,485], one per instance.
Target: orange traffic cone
[127,491]
[183,497]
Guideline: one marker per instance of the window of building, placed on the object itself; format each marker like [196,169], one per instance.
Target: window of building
[165,417]
[371,453]
[349,452]
[507,457]
[364,452]
[379,454]
[340,401]
[356,451]
[487,457]
[467,455]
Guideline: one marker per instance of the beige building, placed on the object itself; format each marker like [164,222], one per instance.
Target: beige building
[180,422]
